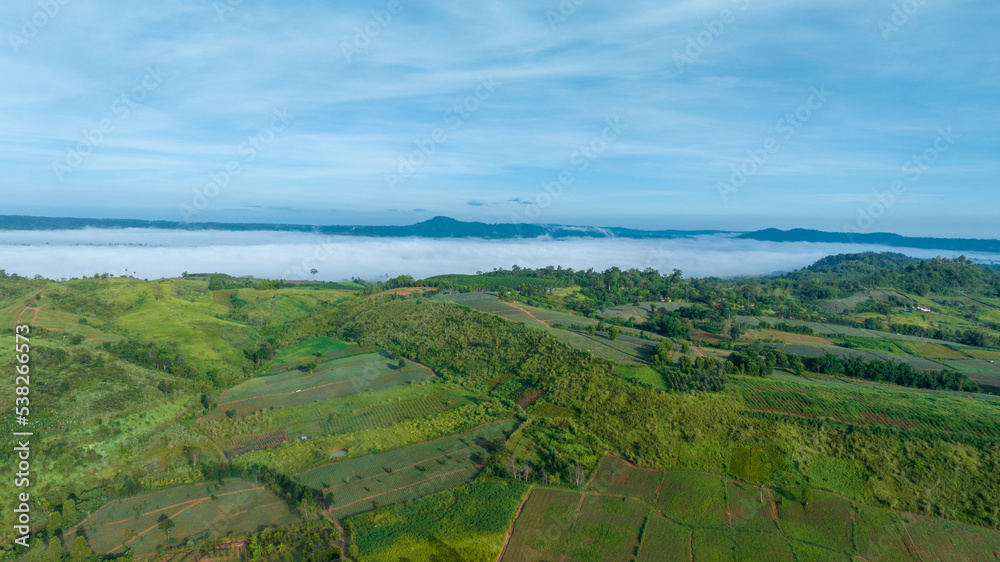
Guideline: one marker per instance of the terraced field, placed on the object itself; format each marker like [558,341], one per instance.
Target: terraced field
[620,351]
[699,516]
[930,412]
[983,371]
[332,379]
[363,483]
[208,510]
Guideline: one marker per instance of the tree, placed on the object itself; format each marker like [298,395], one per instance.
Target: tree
[166,524]
[590,329]
[69,512]
[663,352]
[578,475]
[735,332]
[81,550]
[685,363]
[314,271]
[53,553]
[797,367]
[613,332]
[55,521]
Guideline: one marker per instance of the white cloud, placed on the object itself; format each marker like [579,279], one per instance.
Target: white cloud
[149,253]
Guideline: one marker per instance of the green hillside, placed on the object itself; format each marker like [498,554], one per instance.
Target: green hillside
[612,415]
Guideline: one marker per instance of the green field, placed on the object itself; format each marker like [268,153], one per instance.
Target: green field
[542,530]
[663,539]
[644,374]
[742,521]
[619,351]
[985,373]
[467,523]
[937,540]
[693,498]
[362,483]
[205,510]
[926,412]
[607,528]
[826,521]
[332,379]
[616,476]
[309,349]
[387,414]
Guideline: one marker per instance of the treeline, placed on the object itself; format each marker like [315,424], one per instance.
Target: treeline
[785,327]
[223,282]
[703,374]
[152,356]
[293,491]
[758,359]
[602,289]
[846,274]
[894,371]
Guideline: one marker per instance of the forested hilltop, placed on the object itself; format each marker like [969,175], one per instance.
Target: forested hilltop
[848,409]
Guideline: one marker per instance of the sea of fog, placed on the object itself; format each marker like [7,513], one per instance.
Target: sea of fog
[153,253]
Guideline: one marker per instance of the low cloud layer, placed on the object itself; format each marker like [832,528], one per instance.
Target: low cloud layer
[149,253]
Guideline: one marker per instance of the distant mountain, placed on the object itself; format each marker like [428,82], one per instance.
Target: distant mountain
[879,238]
[437,227]
[445,227]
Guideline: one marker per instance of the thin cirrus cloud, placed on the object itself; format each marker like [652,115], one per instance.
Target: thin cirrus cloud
[558,79]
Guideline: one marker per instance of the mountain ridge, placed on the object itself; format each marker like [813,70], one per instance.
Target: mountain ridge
[447,227]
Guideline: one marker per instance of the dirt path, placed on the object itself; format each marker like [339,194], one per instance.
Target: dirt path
[510,532]
[576,517]
[343,535]
[36,309]
[41,292]
[196,500]
[532,316]
[909,539]
[193,503]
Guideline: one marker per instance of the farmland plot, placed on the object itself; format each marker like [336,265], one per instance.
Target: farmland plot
[363,483]
[199,511]
[542,530]
[608,528]
[330,380]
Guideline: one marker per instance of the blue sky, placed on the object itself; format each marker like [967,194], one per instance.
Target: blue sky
[601,113]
